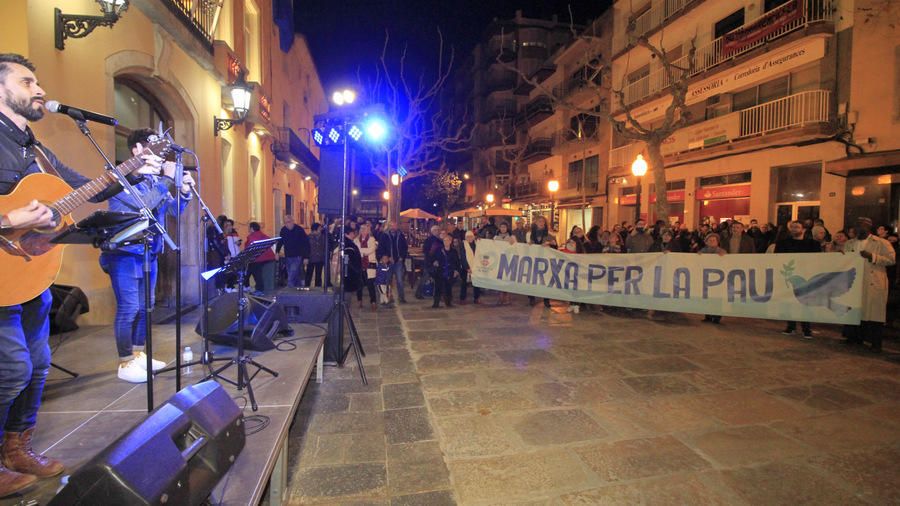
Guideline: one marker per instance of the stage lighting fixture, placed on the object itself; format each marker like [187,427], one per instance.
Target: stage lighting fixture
[376,129]
[334,135]
[355,133]
[318,137]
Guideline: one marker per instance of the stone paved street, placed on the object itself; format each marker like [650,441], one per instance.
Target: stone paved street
[518,405]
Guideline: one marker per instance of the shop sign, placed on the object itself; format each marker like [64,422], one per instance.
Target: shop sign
[757,70]
[773,21]
[701,135]
[671,196]
[734,191]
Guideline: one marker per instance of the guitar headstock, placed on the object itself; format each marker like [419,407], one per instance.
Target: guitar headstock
[158,145]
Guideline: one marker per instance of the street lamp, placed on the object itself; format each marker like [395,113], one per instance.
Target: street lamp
[386,195]
[77,26]
[240,92]
[553,186]
[639,169]
[489,198]
[395,179]
[343,97]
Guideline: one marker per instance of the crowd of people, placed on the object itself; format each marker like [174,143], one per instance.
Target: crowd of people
[379,256]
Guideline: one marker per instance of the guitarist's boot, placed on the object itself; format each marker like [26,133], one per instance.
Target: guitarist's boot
[12,482]
[17,455]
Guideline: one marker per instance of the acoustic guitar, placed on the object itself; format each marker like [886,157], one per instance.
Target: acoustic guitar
[29,262]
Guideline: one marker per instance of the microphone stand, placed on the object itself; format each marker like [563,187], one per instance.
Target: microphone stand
[206,357]
[129,189]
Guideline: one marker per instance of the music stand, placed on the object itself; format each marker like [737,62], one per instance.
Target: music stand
[238,265]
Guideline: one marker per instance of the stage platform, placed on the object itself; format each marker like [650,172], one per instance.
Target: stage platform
[80,416]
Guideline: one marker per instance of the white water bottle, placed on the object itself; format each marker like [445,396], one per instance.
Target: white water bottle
[186,357]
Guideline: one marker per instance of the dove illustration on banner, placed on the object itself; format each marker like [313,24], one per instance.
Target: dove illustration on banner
[821,289]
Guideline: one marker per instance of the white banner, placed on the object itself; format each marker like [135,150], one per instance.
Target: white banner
[813,287]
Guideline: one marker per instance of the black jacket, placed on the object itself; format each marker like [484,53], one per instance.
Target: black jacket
[17,160]
[295,242]
[791,245]
[393,245]
[448,263]
[430,248]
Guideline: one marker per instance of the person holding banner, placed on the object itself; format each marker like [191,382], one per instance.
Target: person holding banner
[797,243]
[879,255]
[712,247]
[446,269]
[539,234]
[504,235]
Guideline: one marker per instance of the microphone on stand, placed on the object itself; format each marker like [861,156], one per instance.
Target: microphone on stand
[80,114]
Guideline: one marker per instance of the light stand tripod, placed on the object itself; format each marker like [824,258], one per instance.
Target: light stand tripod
[239,265]
[340,301]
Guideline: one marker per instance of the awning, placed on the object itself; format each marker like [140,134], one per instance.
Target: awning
[466,213]
[418,214]
[878,160]
[499,211]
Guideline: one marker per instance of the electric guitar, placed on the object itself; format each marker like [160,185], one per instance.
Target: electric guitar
[29,262]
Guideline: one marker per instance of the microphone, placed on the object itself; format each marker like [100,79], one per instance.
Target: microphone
[80,114]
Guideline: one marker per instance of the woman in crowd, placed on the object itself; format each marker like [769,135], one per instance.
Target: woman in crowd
[445,270]
[593,245]
[316,255]
[539,234]
[614,244]
[468,260]
[367,246]
[577,236]
[665,243]
[712,247]
[503,234]
[574,246]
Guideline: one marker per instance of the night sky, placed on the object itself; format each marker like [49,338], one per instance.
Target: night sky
[348,35]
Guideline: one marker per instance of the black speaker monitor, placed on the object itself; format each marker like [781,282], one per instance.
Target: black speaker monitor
[265,320]
[331,173]
[177,455]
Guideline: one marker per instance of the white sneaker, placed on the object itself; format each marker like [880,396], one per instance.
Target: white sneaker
[576,309]
[132,372]
[142,361]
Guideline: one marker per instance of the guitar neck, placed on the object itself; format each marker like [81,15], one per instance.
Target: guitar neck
[94,187]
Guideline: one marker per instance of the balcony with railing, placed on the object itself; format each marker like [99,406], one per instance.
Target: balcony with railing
[289,148]
[715,53]
[659,13]
[804,109]
[504,80]
[538,149]
[535,111]
[200,16]
[526,189]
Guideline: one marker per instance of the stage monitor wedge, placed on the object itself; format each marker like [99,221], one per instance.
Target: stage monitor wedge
[177,455]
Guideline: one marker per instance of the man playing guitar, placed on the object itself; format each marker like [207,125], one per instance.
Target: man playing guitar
[25,328]
[125,265]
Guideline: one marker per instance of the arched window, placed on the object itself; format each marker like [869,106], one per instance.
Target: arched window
[135,108]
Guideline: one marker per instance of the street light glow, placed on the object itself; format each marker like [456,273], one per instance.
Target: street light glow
[639,166]
[395,179]
[349,96]
[386,195]
[337,98]
[466,175]
[489,198]
[354,192]
[553,185]
[343,97]
[376,129]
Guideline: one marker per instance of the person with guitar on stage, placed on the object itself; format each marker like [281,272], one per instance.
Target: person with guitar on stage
[25,327]
[125,265]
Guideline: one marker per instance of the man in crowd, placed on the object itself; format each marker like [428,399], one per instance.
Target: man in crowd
[639,241]
[521,232]
[879,254]
[797,243]
[25,328]
[738,241]
[393,246]
[296,252]
[759,238]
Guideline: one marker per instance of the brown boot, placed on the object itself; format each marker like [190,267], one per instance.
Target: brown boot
[12,482]
[17,455]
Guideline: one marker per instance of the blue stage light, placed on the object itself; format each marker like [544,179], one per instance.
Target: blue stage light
[376,130]
[355,133]
[318,137]
[334,135]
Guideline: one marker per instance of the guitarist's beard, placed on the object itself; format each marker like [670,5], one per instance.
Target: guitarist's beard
[25,107]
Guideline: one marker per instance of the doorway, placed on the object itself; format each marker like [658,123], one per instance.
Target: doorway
[786,212]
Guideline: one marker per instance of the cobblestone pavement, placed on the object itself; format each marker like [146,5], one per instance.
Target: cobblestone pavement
[520,405]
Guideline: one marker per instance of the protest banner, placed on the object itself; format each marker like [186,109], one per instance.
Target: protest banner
[813,287]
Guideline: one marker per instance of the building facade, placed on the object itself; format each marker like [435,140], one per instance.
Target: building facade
[172,61]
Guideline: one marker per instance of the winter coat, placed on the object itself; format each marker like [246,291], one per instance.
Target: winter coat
[875,280]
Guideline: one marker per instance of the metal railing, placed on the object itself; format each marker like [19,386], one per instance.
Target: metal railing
[793,111]
[654,17]
[201,16]
[538,148]
[714,53]
[797,110]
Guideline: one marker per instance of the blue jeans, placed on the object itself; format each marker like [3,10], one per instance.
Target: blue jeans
[127,275]
[24,361]
[398,270]
[295,275]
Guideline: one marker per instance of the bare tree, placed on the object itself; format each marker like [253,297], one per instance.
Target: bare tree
[598,77]
[421,131]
